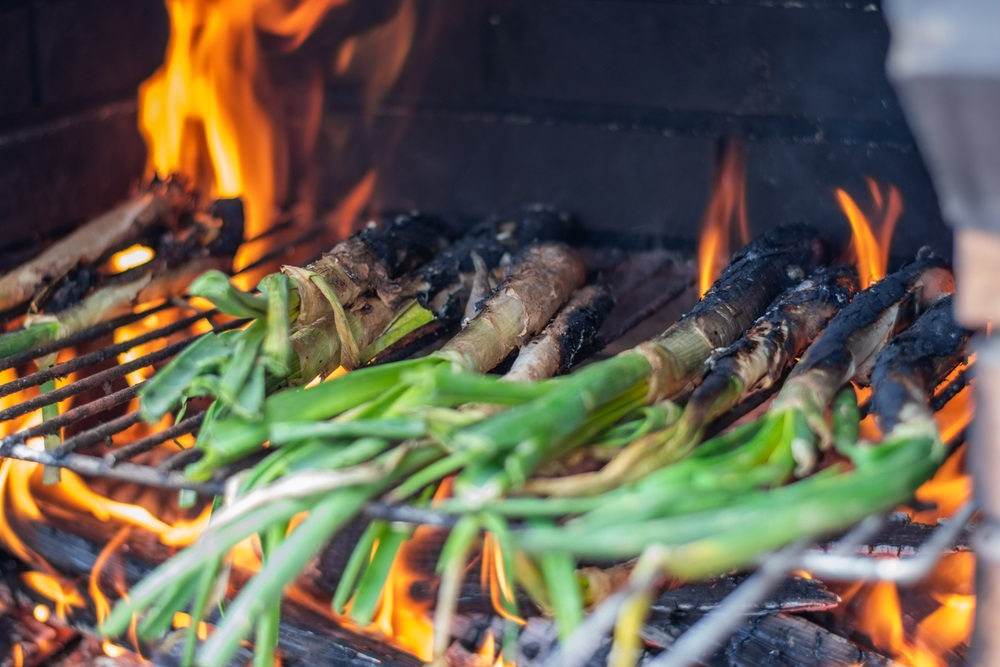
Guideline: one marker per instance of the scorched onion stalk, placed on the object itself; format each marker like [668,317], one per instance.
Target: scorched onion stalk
[225,366]
[82,297]
[160,206]
[702,542]
[339,467]
[754,363]
[501,453]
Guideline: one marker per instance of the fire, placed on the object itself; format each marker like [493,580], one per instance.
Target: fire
[131,257]
[872,233]
[494,577]
[401,617]
[41,613]
[182,620]
[726,204]
[62,593]
[943,630]
[204,113]
[489,656]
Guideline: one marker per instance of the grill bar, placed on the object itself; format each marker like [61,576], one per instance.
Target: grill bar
[83,361]
[82,336]
[72,415]
[142,445]
[92,466]
[98,434]
[97,379]
[90,382]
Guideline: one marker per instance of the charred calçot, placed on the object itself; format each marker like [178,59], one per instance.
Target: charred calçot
[186,243]
[908,370]
[442,287]
[382,396]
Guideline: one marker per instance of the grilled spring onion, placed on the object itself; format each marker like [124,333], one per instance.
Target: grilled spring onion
[847,349]
[82,297]
[160,205]
[502,452]
[430,297]
[223,365]
[542,279]
[544,276]
[754,363]
[883,475]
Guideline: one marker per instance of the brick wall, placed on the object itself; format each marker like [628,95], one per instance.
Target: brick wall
[610,108]
[69,69]
[614,108]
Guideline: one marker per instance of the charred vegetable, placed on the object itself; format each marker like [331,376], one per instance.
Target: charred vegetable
[343,463]
[82,297]
[501,453]
[754,363]
[700,542]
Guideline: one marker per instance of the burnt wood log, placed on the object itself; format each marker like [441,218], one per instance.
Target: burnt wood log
[774,639]
[779,640]
[901,536]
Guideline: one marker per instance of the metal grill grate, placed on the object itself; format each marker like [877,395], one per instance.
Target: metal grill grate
[77,453]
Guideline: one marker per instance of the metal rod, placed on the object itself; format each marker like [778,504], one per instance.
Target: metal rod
[76,363]
[80,337]
[97,434]
[92,466]
[91,381]
[903,570]
[142,445]
[409,514]
[53,425]
[97,379]
[179,460]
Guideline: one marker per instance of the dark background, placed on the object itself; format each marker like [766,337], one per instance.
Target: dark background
[613,109]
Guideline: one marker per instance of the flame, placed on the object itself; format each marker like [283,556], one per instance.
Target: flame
[205,112]
[182,620]
[401,617]
[131,257]
[488,656]
[112,650]
[495,578]
[943,630]
[63,594]
[101,605]
[210,111]
[872,233]
[726,203]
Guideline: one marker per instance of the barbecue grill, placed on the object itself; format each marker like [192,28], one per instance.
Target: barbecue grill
[538,90]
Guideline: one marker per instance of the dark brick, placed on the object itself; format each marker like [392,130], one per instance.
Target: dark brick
[58,175]
[722,58]
[94,51]
[626,182]
[15,63]
[821,60]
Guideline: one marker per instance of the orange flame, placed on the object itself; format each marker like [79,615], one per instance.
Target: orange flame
[488,656]
[872,233]
[400,617]
[496,579]
[131,257]
[941,631]
[205,112]
[727,203]
[63,593]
